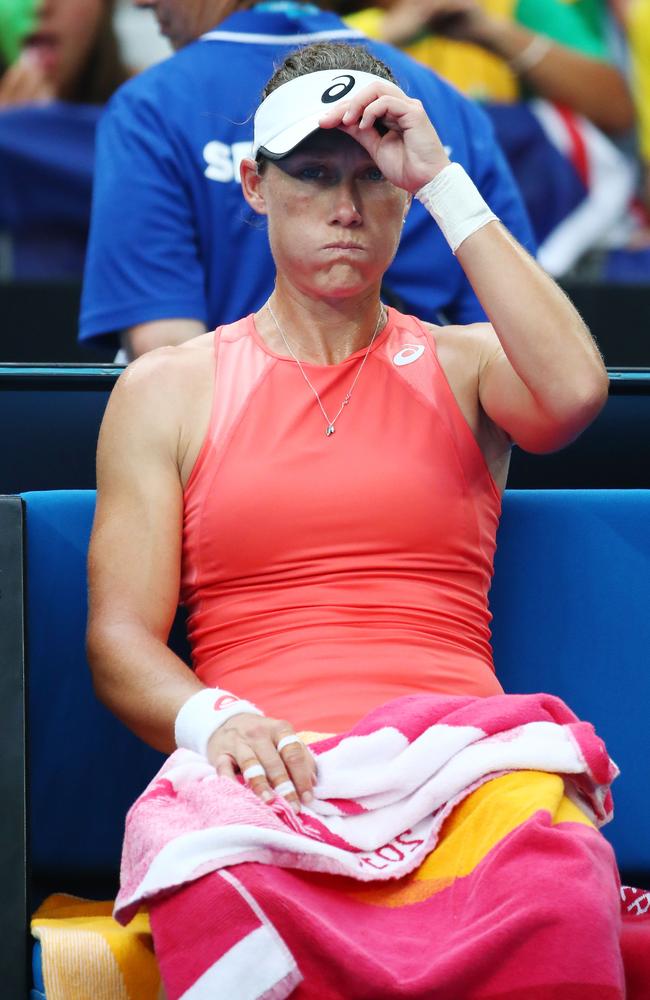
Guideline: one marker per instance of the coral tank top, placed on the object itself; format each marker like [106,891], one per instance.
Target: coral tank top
[324,576]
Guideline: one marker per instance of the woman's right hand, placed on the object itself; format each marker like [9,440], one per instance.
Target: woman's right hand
[267,752]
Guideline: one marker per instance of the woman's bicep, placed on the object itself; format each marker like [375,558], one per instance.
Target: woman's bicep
[134,559]
[511,405]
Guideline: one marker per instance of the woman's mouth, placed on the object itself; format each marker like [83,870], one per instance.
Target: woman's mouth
[44,49]
[343,245]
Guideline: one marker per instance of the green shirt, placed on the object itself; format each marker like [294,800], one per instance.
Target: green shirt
[579,24]
[17,19]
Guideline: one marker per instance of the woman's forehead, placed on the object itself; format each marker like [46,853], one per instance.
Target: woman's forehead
[328,142]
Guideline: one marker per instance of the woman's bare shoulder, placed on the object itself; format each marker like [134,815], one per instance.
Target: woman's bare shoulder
[167,369]
[159,395]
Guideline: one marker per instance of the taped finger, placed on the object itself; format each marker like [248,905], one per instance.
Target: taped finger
[300,764]
[285,788]
[254,774]
[254,771]
[287,740]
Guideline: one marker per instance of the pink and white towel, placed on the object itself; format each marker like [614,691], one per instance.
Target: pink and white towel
[402,768]
[414,867]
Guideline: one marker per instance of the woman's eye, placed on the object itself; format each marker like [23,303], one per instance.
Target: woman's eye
[374,174]
[312,173]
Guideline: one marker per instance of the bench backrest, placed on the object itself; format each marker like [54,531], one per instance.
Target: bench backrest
[50,418]
[571,616]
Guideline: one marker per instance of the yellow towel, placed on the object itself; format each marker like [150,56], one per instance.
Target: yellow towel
[86,955]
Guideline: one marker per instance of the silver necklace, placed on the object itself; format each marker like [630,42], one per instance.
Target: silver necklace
[329,424]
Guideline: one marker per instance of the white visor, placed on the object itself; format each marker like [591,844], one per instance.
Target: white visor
[292,112]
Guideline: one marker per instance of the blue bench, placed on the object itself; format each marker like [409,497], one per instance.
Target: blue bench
[570,602]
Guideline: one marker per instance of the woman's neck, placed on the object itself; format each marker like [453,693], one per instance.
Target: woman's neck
[321,331]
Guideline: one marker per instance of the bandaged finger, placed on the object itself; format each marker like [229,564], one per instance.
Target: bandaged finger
[285,788]
[287,740]
[254,771]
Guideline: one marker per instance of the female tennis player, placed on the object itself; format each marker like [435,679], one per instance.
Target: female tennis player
[321,480]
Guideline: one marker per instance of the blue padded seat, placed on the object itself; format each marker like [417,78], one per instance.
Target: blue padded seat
[85,767]
[570,603]
[571,606]
[38,989]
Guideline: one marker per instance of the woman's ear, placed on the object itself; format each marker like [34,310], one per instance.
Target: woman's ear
[251,185]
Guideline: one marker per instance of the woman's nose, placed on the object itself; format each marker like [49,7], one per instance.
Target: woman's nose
[346,207]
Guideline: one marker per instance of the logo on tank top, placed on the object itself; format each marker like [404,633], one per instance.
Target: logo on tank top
[408,354]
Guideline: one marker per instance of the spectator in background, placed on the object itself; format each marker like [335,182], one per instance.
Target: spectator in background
[495,52]
[20,80]
[577,185]
[70,48]
[63,65]
[173,248]
[141,42]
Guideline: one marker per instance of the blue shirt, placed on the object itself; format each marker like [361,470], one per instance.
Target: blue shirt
[171,235]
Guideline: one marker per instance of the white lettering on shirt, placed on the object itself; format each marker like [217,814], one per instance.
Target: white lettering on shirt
[223,161]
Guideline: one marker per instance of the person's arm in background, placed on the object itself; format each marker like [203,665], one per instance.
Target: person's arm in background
[583,80]
[143,337]
[638,28]
[143,274]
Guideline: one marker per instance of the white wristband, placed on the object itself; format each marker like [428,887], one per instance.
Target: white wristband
[204,713]
[530,55]
[454,201]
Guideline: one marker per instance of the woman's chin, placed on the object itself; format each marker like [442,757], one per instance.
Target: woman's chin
[345,282]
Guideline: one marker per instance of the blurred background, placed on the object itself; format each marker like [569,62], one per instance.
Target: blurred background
[60,61]
[581,162]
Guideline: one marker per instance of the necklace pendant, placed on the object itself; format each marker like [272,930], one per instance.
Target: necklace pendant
[330,430]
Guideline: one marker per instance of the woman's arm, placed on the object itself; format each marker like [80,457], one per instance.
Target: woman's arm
[540,378]
[134,575]
[134,558]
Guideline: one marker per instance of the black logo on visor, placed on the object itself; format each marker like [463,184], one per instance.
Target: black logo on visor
[338,90]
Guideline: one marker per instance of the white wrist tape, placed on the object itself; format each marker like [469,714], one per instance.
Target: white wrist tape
[204,713]
[456,204]
[531,55]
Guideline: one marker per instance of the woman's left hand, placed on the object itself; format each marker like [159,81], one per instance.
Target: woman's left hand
[409,152]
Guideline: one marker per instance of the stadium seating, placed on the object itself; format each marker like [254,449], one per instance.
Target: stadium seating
[569,599]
